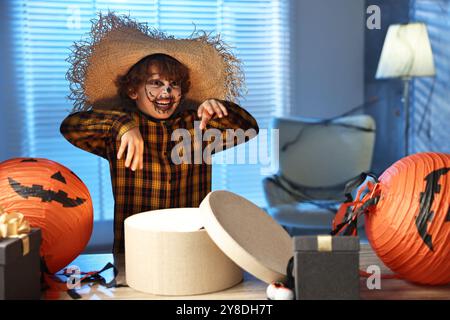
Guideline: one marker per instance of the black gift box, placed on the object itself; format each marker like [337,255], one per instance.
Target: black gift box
[20,274]
[326,267]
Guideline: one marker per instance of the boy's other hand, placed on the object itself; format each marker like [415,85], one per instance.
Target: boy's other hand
[132,140]
[208,109]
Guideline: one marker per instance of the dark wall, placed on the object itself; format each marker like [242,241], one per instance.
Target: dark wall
[388,111]
[327,56]
[336,24]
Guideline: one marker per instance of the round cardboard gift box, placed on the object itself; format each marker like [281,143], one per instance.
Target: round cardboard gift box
[187,251]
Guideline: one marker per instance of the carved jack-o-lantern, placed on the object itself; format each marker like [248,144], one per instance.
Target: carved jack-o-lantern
[52,198]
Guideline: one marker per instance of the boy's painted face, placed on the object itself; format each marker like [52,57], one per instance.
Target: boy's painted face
[158,97]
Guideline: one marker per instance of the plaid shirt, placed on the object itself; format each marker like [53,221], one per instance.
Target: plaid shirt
[161,184]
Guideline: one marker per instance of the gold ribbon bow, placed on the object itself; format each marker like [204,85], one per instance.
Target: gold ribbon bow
[14,225]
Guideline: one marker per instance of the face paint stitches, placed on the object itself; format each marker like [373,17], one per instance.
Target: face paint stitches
[163,94]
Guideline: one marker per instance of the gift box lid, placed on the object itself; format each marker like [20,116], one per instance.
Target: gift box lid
[12,248]
[247,235]
[324,243]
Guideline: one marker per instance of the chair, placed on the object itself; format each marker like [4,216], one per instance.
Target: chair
[316,160]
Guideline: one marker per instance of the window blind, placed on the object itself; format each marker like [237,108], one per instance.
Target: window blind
[430,98]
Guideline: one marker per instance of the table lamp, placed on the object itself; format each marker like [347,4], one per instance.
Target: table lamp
[406,54]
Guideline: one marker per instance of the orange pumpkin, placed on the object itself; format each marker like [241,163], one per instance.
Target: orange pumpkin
[408,225]
[52,198]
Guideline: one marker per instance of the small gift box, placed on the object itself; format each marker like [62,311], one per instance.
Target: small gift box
[19,258]
[326,267]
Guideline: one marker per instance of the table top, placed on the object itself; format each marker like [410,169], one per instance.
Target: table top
[250,288]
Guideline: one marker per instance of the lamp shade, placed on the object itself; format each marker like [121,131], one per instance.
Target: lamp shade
[406,52]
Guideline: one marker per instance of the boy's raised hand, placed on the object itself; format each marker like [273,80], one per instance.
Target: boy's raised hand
[207,110]
[132,140]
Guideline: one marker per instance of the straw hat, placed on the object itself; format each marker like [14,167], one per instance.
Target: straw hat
[115,43]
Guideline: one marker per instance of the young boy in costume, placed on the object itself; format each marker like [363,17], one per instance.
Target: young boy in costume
[132,88]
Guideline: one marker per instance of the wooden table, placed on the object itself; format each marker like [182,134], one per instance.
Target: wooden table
[251,288]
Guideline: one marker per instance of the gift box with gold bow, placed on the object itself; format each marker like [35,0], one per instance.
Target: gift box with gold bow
[19,258]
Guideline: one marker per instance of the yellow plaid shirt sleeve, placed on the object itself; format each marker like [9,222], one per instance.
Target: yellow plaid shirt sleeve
[237,119]
[93,130]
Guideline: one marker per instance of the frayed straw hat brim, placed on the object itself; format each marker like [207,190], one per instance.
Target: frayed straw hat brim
[116,43]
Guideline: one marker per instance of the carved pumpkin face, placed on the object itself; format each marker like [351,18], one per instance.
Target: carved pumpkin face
[52,198]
